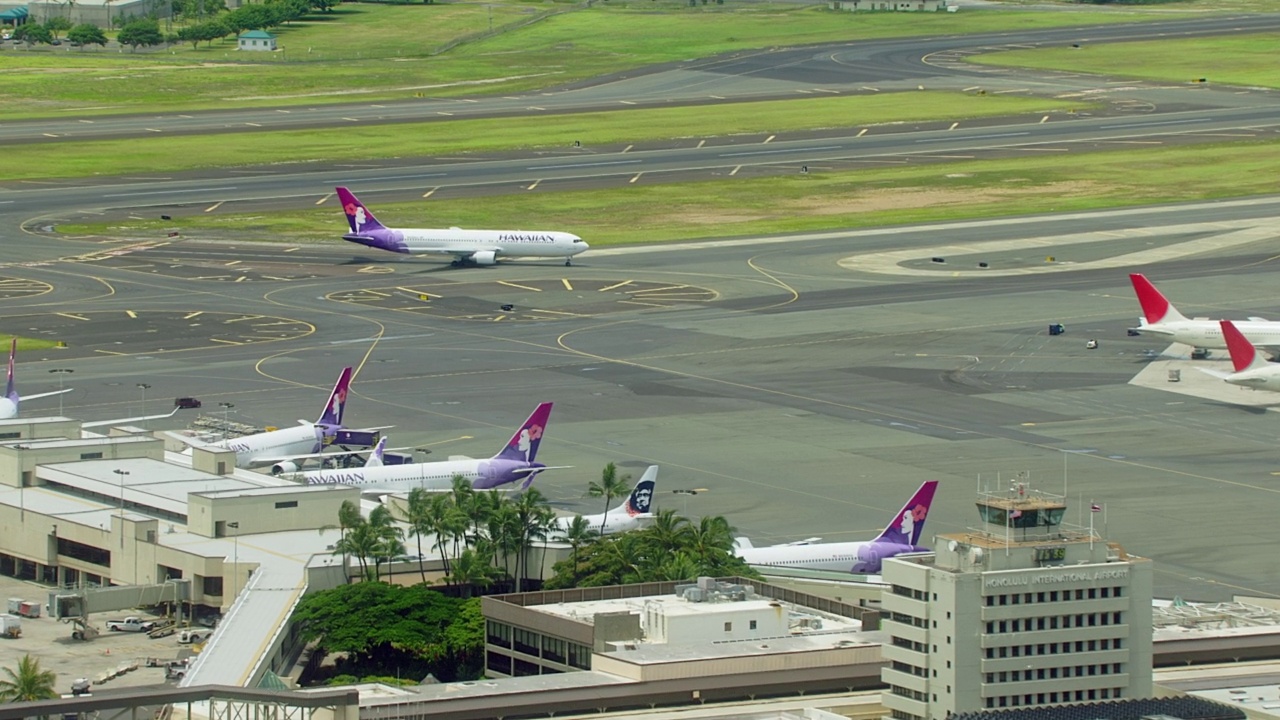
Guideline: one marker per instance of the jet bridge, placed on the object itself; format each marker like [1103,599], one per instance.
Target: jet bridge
[75,605]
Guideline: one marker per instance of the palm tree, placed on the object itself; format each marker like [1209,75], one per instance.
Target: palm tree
[668,532]
[534,519]
[386,538]
[578,534]
[470,570]
[421,522]
[28,683]
[677,567]
[361,542]
[609,487]
[504,535]
[711,541]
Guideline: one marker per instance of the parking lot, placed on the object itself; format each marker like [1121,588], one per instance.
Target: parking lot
[97,660]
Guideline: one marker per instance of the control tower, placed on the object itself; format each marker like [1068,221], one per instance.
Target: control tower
[1023,611]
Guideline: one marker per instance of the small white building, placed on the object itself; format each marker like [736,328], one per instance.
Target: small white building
[260,40]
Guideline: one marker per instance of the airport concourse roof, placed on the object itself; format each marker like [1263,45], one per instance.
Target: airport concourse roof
[585,611]
[66,508]
[144,482]
[490,688]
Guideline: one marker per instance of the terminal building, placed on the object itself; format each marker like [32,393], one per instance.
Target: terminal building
[1022,613]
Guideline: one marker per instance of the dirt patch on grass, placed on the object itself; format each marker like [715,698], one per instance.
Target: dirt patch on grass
[911,198]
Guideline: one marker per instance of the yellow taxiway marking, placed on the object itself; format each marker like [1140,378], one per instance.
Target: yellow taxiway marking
[701,143]
[225,342]
[657,289]
[627,102]
[324,199]
[253,124]
[376,269]
[534,185]
[151,130]
[768,139]
[108,352]
[293,249]
[234,262]
[416,292]
[73,317]
[615,285]
[214,206]
[1044,119]
[716,97]
[954,125]
[625,149]
[197,313]
[735,169]
[351,119]
[559,312]
[446,114]
[131,313]
[499,318]
[242,278]
[861,132]
[518,285]
[634,302]
[431,192]
[242,318]
[637,177]
[48,134]
[567,286]
[379,294]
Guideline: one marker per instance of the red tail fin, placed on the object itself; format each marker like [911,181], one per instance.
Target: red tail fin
[1243,354]
[1155,307]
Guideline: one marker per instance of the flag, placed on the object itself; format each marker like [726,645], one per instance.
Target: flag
[1016,513]
[1095,508]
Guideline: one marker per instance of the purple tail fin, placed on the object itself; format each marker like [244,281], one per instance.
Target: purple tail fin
[358,216]
[9,391]
[523,445]
[906,526]
[337,404]
[375,455]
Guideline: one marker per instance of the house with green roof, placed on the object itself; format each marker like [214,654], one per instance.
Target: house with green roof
[257,40]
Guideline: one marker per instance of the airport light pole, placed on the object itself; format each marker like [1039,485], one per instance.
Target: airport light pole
[235,560]
[226,406]
[143,387]
[121,473]
[60,372]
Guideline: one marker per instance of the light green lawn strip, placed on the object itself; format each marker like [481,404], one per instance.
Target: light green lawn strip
[1237,60]
[161,154]
[25,344]
[563,48]
[821,201]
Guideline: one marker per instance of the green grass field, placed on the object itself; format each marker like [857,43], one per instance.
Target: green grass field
[798,203]
[375,52]
[1236,60]
[152,155]
[25,343]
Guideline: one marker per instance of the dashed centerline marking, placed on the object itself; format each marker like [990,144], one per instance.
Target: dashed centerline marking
[567,286]
[637,177]
[431,192]
[324,199]
[214,206]
[768,139]
[615,285]
[534,185]
[735,170]
[131,314]
[197,313]
[72,316]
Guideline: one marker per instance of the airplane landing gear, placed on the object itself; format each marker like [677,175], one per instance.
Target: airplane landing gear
[567,262]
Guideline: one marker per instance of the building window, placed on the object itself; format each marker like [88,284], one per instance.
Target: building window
[286,504]
[752,626]
[728,627]
[91,456]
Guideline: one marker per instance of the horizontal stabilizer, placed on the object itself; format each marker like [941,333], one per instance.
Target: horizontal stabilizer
[742,543]
[1258,319]
[522,471]
[1220,374]
[37,396]
[125,421]
[806,541]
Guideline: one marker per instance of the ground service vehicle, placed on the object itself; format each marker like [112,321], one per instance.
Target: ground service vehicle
[132,623]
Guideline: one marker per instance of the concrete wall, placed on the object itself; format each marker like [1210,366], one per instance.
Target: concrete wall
[267,510]
[20,460]
[104,15]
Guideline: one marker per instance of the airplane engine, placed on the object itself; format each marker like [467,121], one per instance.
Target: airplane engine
[284,468]
[485,257]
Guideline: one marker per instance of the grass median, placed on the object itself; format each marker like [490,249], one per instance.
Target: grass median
[1248,60]
[820,201]
[173,154]
[377,53]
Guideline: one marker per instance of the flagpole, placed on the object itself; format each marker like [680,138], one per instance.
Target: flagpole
[1090,523]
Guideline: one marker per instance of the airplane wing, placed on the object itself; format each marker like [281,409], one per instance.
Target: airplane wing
[122,421]
[1220,374]
[1258,319]
[806,541]
[37,396]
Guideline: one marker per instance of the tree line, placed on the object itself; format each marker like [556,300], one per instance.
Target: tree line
[208,21]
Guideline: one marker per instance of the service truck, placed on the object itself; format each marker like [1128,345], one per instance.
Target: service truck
[133,623]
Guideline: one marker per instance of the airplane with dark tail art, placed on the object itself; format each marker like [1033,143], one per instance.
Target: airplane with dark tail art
[902,535]
[514,463]
[468,247]
[629,515]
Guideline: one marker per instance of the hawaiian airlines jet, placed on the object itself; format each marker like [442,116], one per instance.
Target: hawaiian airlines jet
[468,247]
[627,516]
[1162,319]
[9,403]
[1251,369]
[286,449]
[513,464]
[901,536]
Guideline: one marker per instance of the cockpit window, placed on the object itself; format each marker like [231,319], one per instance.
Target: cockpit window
[577,239]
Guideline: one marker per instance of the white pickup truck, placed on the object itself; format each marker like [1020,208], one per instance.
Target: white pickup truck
[133,623]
